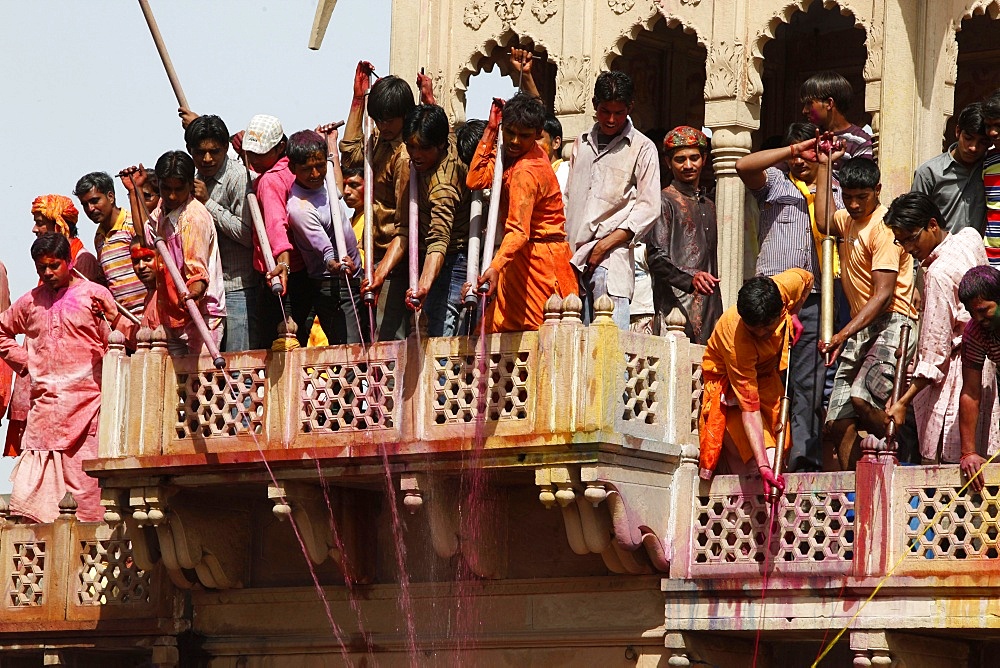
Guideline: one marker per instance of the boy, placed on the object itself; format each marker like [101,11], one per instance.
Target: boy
[310,220]
[443,202]
[681,245]
[954,179]
[552,143]
[825,98]
[738,422]
[612,196]
[991,179]
[188,231]
[786,233]
[913,219]
[877,275]
[221,185]
[533,261]
[66,339]
[354,198]
[389,101]
[263,145]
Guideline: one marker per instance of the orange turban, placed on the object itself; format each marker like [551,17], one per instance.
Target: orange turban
[57,208]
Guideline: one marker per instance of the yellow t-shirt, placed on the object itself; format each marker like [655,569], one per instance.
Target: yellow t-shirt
[358,225]
[867,246]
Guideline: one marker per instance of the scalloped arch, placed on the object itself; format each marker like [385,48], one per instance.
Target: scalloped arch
[978,8]
[637,28]
[471,64]
[789,10]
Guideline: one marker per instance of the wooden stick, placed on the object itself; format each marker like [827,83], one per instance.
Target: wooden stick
[161,48]
[121,309]
[324,8]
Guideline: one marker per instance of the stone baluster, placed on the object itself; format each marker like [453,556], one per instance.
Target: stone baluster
[729,144]
[114,387]
[605,361]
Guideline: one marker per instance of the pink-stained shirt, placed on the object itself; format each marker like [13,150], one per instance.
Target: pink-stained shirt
[64,354]
[189,233]
[939,351]
[6,373]
[273,188]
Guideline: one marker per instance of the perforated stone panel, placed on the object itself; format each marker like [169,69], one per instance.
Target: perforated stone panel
[28,576]
[220,403]
[108,576]
[809,526]
[969,529]
[344,397]
[457,387]
[641,387]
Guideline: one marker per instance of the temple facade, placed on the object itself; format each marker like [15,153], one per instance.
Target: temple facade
[531,498]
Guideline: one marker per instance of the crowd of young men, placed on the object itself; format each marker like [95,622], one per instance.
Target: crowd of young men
[930,249]
[259,224]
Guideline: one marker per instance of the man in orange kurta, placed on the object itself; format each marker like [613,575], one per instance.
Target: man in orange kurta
[741,371]
[532,263]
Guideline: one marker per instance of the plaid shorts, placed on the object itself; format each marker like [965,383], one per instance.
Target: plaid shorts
[868,364]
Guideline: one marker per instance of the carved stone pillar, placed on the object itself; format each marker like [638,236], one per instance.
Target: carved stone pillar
[729,144]
[874,43]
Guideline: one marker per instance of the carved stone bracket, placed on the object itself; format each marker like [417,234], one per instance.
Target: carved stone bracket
[544,9]
[600,520]
[196,544]
[573,78]
[440,500]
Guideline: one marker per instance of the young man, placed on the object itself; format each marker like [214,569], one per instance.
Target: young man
[979,292]
[787,239]
[65,343]
[954,179]
[389,101]
[681,245]
[991,178]
[56,213]
[826,97]
[552,143]
[221,185]
[913,219]
[263,146]
[443,201]
[738,423]
[612,196]
[188,231]
[310,220]
[533,262]
[145,264]
[96,192]
[354,198]
[467,139]
[877,275]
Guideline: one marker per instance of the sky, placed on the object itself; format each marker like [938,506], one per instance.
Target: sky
[84,90]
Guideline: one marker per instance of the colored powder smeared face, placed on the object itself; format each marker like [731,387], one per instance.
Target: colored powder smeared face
[53,272]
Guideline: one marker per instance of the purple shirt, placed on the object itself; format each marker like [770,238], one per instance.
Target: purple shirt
[311,226]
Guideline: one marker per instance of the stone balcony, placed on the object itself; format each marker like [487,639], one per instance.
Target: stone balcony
[580,445]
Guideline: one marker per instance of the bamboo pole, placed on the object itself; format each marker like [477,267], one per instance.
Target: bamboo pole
[161,48]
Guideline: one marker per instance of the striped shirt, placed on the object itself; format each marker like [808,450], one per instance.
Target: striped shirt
[116,263]
[227,191]
[388,166]
[991,182]
[978,343]
[443,200]
[785,228]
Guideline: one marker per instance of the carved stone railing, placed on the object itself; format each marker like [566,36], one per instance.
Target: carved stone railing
[70,575]
[565,385]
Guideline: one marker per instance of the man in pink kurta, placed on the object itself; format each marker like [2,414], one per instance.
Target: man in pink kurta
[918,226]
[65,344]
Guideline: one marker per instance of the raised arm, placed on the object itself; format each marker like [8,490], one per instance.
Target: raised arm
[751,167]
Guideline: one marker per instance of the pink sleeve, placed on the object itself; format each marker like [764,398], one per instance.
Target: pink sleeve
[196,246]
[272,194]
[12,323]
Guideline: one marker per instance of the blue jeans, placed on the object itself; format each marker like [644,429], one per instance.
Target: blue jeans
[241,319]
[444,300]
[592,286]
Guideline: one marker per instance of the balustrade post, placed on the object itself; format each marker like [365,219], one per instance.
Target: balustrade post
[683,489]
[605,364]
[284,390]
[114,399]
[873,529]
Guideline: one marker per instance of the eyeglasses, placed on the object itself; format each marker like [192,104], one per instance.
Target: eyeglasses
[910,240]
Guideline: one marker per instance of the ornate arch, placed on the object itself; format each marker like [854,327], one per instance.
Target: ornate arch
[473,64]
[977,8]
[873,40]
[973,9]
[646,25]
